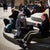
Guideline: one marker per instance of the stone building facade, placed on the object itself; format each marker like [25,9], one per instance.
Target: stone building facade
[18,2]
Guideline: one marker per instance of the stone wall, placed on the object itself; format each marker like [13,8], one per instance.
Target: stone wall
[18,2]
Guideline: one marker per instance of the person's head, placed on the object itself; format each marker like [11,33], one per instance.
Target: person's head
[36,2]
[41,2]
[44,17]
[15,11]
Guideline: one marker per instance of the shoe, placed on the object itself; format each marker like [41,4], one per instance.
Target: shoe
[22,44]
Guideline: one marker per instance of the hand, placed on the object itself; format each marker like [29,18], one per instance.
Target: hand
[36,24]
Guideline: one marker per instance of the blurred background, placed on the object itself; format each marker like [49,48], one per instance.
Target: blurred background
[15,3]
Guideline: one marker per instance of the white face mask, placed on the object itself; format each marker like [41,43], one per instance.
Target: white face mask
[39,4]
[22,17]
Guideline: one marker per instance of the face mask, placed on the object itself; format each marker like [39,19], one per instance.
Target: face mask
[39,5]
[22,17]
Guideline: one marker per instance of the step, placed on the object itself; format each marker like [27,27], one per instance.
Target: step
[36,46]
[36,17]
[31,22]
[39,46]
[10,37]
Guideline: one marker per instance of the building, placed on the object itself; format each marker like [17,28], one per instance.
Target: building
[18,2]
[23,2]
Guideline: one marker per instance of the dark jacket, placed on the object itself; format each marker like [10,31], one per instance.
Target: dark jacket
[21,22]
[14,15]
[27,12]
[44,28]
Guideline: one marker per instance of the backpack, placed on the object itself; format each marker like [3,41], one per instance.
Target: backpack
[8,27]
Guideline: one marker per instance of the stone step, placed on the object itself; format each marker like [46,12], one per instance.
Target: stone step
[10,37]
[39,46]
[31,22]
[36,17]
[36,46]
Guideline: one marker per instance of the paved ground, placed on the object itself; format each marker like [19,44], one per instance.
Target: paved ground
[5,44]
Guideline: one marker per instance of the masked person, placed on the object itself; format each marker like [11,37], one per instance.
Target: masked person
[10,24]
[21,26]
[42,33]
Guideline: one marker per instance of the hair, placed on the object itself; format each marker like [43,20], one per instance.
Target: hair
[46,16]
[12,10]
[41,2]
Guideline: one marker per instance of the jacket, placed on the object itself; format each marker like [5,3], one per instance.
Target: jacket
[44,28]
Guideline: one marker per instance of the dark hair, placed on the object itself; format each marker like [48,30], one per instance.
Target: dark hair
[46,16]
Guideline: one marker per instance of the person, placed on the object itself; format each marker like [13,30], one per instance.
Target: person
[21,26]
[42,33]
[5,6]
[20,6]
[27,12]
[6,21]
[14,15]
[10,24]
[43,7]
[38,7]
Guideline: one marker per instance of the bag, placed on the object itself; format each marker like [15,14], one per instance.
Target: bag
[8,27]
